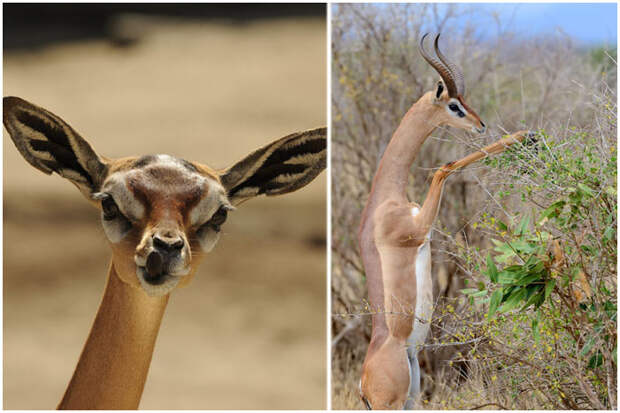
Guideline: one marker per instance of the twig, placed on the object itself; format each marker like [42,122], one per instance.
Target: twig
[351,325]
[489,404]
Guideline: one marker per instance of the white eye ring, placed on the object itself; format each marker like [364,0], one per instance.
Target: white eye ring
[456,109]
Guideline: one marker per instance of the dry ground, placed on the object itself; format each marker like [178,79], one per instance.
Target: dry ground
[249,332]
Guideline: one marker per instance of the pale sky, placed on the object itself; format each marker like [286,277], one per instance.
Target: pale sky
[589,23]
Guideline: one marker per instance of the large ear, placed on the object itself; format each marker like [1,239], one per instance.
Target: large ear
[439,91]
[49,144]
[278,168]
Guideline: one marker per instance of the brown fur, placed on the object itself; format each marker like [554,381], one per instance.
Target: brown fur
[387,226]
[389,239]
[101,379]
[162,189]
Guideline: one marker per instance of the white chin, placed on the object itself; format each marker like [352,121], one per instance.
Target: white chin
[161,289]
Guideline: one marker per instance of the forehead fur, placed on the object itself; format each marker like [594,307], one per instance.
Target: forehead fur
[156,177]
[134,162]
[159,179]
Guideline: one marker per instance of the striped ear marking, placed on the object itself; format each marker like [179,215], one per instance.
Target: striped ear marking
[282,166]
[49,144]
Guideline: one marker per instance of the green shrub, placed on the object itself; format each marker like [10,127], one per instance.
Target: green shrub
[548,282]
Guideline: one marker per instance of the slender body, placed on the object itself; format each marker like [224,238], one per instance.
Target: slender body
[161,215]
[394,240]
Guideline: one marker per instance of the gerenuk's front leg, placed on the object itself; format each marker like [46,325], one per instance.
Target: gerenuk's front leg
[424,220]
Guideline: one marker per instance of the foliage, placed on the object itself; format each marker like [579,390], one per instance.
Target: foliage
[557,267]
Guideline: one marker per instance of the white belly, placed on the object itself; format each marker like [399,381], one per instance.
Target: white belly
[424,298]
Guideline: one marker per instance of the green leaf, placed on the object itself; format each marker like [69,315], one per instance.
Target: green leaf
[479,293]
[588,249]
[523,246]
[506,277]
[549,288]
[535,331]
[533,298]
[528,279]
[534,265]
[491,268]
[610,190]
[525,221]
[588,346]
[609,234]
[505,250]
[611,310]
[513,301]
[544,235]
[531,289]
[585,189]
[501,225]
[596,360]
[496,298]
[552,211]
[507,291]
[540,299]
[469,291]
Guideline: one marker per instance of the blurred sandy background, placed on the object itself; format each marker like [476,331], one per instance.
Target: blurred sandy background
[249,332]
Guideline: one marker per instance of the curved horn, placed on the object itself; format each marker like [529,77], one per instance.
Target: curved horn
[440,67]
[454,69]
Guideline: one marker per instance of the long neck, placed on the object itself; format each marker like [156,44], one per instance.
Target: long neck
[115,361]
[417,124]
[390,181]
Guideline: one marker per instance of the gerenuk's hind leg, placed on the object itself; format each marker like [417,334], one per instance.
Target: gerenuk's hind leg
[414,385]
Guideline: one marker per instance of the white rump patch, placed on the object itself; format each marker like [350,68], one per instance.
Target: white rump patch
[415,211]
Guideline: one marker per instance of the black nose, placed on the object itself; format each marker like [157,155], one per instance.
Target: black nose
[168,244]
[154,265]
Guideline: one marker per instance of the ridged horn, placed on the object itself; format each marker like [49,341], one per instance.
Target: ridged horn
[457,75]
[440,67]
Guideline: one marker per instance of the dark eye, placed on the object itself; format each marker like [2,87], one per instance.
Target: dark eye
[218,219]
[455,108]
[109,208]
